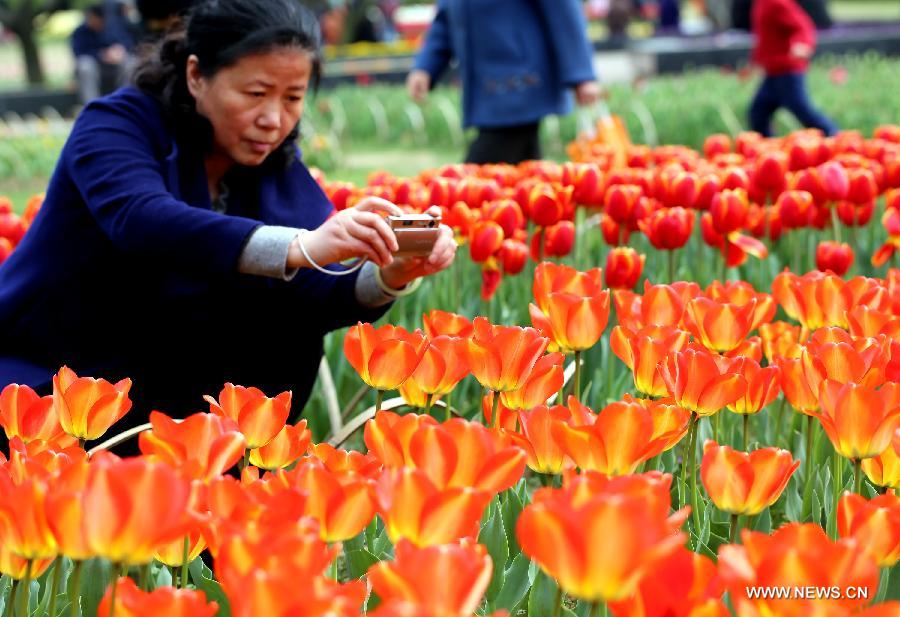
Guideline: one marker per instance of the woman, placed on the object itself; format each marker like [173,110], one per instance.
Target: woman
[168,247]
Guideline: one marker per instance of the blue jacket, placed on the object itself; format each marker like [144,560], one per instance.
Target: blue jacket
[128,272]
[517,58]
[87,42]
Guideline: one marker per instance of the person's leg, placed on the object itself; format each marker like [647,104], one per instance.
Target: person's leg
[532,137]
[87,74]
[508,144]
[763,107]
[486,148]
[796,99]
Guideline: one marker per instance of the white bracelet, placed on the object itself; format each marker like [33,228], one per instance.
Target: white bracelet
[312,263]
[396,293]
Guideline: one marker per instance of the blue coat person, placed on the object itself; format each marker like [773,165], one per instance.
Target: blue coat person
[128,271]
[517,58]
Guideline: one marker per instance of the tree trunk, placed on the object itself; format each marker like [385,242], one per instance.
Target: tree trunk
[30,55]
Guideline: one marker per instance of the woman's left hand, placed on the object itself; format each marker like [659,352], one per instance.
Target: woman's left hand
[403,270]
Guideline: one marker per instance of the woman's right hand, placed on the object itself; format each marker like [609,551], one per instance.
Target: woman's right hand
[360,231]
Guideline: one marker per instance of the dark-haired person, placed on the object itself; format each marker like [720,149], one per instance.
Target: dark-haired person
[518,60]
[168,248]
[99,56]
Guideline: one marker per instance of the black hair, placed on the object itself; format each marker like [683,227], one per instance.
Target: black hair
[220,33]
[96,10]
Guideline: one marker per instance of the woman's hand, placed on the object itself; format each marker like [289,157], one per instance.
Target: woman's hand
[405,269]
[360,231]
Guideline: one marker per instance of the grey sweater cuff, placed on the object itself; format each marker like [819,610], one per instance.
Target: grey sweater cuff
[368,293]
[266,252]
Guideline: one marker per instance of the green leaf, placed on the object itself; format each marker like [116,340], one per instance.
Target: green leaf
[382,546]
[763,522]
[513,504]
[517,580]
[542,598]
[493,536]
[162,577]
[202,578]
[793,504]
[96,575]
[359,561]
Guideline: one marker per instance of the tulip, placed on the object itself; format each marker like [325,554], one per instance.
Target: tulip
[288,445]
[439,323]
[684,583]
[668,228]
[17,568]
[507,214]
[491,278]
[719,326]
[443,365]
[835,181]
[780,340]
[623,436]
[742,483]
[24,528]
[572,322]
[558,241]
[763,387]
[862,187]
[87,407]
[874,523]
[544,454]
[258,417]
[718,143]
[696,381]
[586,181]
[26,415]
[620,201]
[795,208]
[642,351]
[623,268]
[385,357]
[203,446]
[449,579]
[796,556]
[513,256]
[834,257]
[124,599]
[769,172]
[815,299]
[545,380]
[613,233]
[412,507]
[884,469]
[728,211]
[485,240]
[859,420]
[567,534]
[502,357]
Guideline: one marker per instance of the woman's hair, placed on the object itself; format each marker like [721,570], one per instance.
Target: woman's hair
[220,33]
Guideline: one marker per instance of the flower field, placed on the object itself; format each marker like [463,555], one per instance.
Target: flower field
[657,381]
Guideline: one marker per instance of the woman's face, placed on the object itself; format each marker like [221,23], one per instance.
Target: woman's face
[253,104]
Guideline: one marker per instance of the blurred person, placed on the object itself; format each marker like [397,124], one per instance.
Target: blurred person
[157,16]
[785,39]
[518,59]
[98,56]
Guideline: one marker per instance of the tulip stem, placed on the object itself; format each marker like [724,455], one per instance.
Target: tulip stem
[883,585]
[379,399]
[735,526]
[495,410]
[836,222]
[429,401]
[746,432]
[838,484]
[671,266]
[715,427]
[807,473]
[27,583]
[692,476]
[857,476]
[54,586]
[447,402]
[145,577]
[184,561]
[11,602]
[577,391]
[81,443]
[557,603]
[75,588]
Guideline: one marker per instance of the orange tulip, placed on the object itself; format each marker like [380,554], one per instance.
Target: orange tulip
[502,357]
[203,446]
[795,387]
[346,461]
[815,299]
[384,357]
[65,511]
[884,469]
[25,414]
[342,504]
[780,339]
[642,351]
[622,437]
[439,323]
[795,208]
[87,407]
[668,228]
[545,380]
[412,507]
[741,293]
[135,505]
[684,583]
[834,256]
[763,385]
[623,267]
[449,579]
[742,483]
[172,554]
[571,307]
[620,201]
[696,381]
[728,211]
[859,420]
[414,396]
[388,435]
[843,359]
[866,322]
[289,445]
[258,417]
[719,326]
[796,556]
[567,533]
[132,602]
[16,567]
[485,240]
[544,454]
[443,365]
[24,529]
[874,523]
